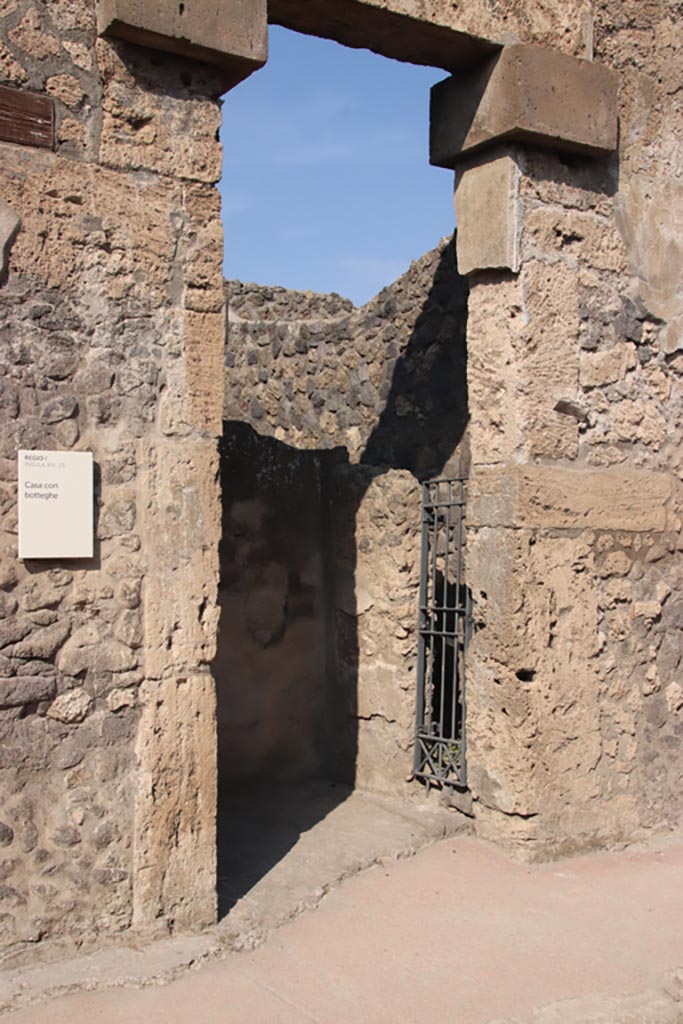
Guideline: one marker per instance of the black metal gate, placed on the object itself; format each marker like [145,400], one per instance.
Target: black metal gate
[444,624]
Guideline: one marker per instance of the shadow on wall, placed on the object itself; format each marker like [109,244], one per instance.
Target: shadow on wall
[423,421]
[287,664]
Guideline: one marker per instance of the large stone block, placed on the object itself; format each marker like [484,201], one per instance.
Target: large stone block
[232,34]
[544,497]
[547,360]
[180,524]
[442,35]
[203,344]
[175,804]
[529,94]
[134,214]
[488,215]
[171,133]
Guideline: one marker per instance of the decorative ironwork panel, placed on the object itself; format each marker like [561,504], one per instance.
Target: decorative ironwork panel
[444,625]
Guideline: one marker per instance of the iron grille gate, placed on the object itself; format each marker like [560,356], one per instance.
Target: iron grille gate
[444,619]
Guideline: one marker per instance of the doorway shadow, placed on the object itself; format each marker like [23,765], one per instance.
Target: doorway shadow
[287,662]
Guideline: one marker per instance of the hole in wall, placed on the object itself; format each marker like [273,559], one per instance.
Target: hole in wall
[526,675]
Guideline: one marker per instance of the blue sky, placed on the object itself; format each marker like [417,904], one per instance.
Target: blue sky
[326,178]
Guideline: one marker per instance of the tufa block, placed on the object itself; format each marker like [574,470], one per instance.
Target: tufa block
[230,33]
[487,212]
[525,93]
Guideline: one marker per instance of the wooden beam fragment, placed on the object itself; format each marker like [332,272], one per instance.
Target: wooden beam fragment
[26,118]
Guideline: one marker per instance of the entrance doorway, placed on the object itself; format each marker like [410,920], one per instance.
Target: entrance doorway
[277,735]
[334,415]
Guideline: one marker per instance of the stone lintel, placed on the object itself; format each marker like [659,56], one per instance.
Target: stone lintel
[232,34]
[554,498]
[377,25]
[528,94]
[488,216]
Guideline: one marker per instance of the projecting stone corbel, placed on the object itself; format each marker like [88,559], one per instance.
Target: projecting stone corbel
[232,34]
[527,94]
[522,95]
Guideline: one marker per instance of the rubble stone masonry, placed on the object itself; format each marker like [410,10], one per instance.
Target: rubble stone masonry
[112,333]
[383,390]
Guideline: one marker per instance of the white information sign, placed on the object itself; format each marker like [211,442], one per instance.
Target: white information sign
[55,504]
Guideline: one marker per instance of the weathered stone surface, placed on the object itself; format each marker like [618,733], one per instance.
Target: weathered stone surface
[43,187]
[203,344]
[21,690]
[386,381]
[488,216]
[176,756]
[60,409]
[119,699]
[233,34]
[547,360]
[112,299]
[652,234]
[43,643]
[446,36]
[551,498]
[600,368]
[149,129]
[70,707]
[99,655]
[10,223]
[180,614]
[376,656]
[11,69]
[506,97]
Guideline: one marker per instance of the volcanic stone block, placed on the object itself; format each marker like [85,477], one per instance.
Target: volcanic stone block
[525,93]
[232,33]
[488,216]
[18,691]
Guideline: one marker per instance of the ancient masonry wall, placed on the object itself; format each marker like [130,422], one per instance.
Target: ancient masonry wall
[112,333]
[384,389]
[575,691]
[113,320]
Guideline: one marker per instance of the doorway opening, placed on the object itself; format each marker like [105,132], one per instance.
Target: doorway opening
[334,416]
[278,762]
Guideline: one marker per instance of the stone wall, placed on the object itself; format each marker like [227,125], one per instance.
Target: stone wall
[387,382]
[575,704]
[113,334]
[111,288]
[382,388]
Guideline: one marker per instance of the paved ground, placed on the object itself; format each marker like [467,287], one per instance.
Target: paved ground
[282,849]
[458,934]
